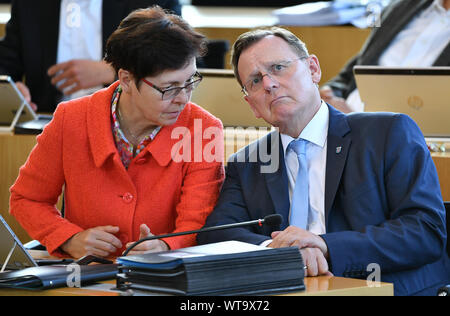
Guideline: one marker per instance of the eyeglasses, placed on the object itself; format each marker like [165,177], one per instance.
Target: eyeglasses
[274,71]
[171,93]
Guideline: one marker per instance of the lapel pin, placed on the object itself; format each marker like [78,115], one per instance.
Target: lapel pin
[338,150]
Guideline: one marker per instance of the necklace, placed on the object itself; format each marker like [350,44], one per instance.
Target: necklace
[126,128]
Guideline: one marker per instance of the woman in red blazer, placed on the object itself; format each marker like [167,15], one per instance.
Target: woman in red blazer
[134,159]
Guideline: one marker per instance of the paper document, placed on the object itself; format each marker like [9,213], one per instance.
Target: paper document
[328,13]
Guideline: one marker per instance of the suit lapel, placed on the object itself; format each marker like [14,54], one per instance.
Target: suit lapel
[338,145]
[277,181]
[50,29]
[112,14]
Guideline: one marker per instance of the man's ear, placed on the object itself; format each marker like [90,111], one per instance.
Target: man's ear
[314,67]
[126,79]
[254,108]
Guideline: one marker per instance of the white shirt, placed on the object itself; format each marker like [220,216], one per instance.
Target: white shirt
[315,133]
[419,44]
[80,34]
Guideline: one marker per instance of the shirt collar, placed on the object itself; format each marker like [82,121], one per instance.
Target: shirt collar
[315,132]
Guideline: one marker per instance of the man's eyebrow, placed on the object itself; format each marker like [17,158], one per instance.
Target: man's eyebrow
[267,65]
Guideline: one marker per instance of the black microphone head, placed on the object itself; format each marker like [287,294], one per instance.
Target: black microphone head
[273,220]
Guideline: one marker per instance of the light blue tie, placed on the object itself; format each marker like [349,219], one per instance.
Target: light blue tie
[300,197]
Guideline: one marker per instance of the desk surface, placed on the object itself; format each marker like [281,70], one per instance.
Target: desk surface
[315,286]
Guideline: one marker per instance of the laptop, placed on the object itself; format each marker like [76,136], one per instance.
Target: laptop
[219,93]
[421,93]
[16,113]
[13,254]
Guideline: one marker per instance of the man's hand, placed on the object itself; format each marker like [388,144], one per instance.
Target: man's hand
[327,94]
[313,248]
[294,236]
[99,241]
[315,262]
[78,74]
[26,94]
[155,245]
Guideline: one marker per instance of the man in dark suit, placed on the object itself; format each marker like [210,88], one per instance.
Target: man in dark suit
[361,199]
[29,48]
[396,18]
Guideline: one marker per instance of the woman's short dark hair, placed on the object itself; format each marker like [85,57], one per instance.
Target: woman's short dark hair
[247,39]
[150,41]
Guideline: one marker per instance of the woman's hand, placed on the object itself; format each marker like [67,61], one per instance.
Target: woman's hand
[147,246]
[98,241]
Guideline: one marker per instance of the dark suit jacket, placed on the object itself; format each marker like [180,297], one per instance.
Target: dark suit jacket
[382,200]
[393,20]
[31,42]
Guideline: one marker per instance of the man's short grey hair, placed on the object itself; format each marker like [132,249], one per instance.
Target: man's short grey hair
[250,38]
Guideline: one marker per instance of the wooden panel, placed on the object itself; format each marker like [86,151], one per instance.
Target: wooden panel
[338,286]
[14,151]
[333,45]
[442,162]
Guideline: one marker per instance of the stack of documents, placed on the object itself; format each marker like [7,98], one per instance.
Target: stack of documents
[322,13]
[226,268]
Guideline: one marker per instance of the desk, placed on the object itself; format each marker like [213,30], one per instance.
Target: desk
[315,286]
[5,10]
[442,162]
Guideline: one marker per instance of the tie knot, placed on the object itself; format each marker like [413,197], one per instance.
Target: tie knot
[298,146]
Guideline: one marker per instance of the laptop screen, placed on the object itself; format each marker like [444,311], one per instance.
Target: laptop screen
[12,250]
[421,93]
[220,94]
[13,107]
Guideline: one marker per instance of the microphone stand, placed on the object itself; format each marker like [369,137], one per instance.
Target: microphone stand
[273,220]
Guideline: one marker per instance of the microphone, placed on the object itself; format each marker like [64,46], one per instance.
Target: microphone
[270,220]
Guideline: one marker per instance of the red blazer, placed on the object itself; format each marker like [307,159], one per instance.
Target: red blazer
[77,151]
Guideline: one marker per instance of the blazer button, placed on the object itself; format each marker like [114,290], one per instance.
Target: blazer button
[127,198]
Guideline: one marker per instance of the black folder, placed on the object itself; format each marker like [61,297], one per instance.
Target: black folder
[46,277]
[192,271]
